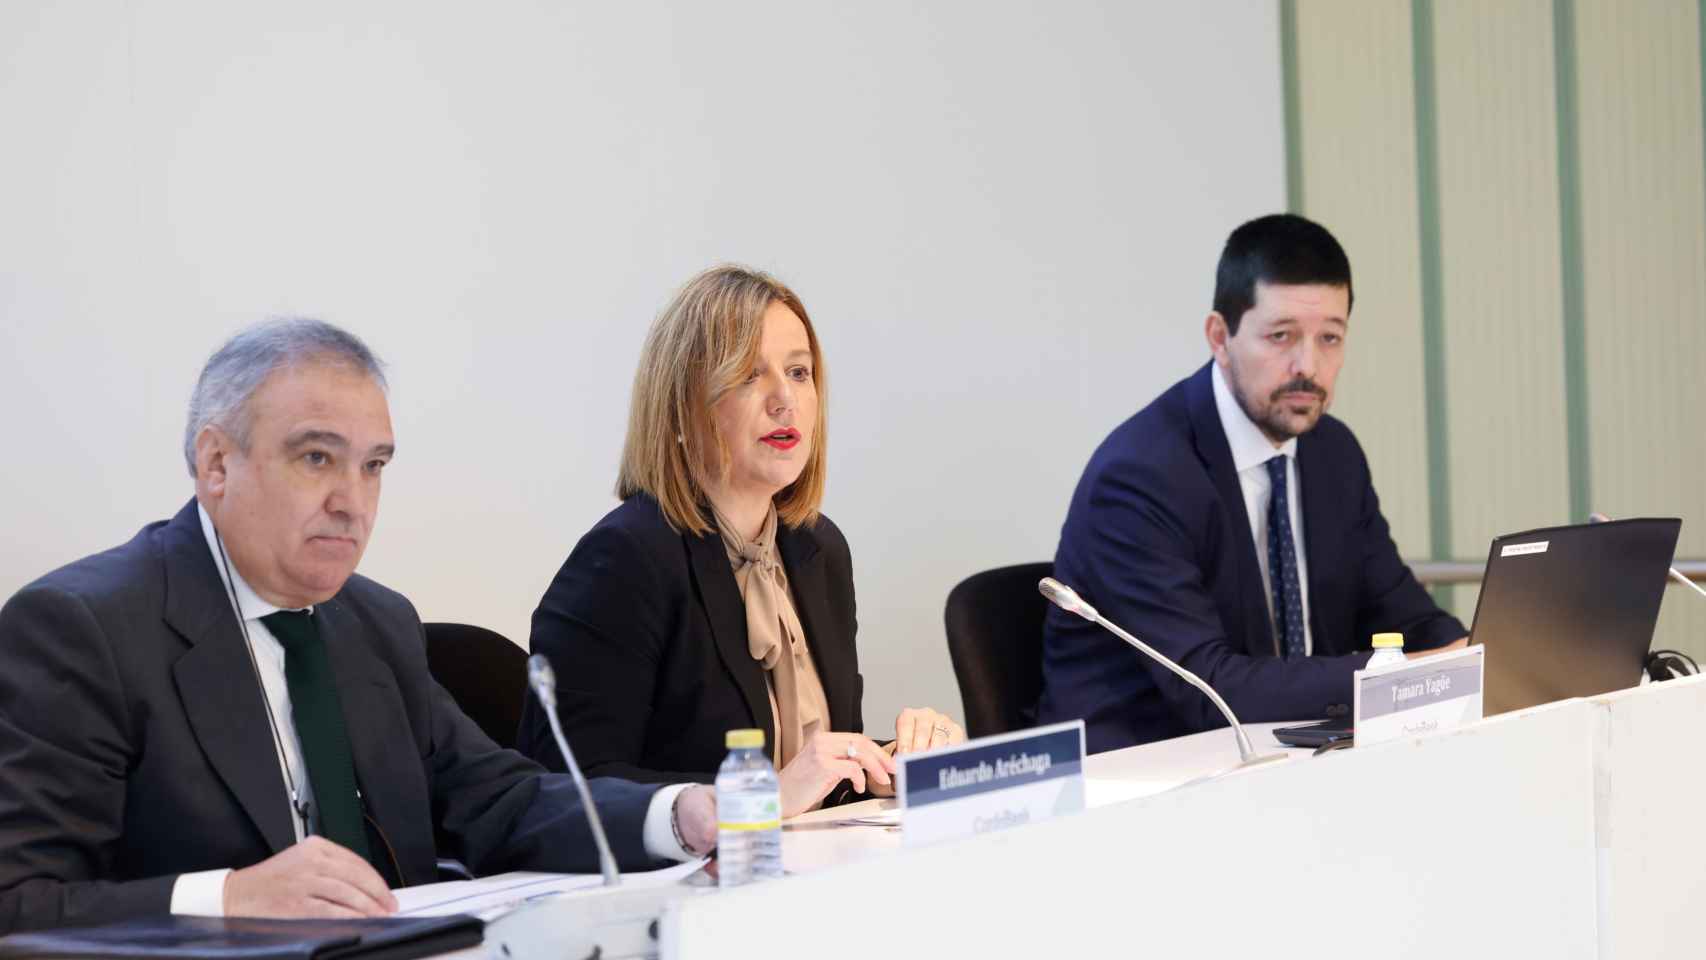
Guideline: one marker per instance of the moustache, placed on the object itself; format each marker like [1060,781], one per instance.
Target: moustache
[1300,385]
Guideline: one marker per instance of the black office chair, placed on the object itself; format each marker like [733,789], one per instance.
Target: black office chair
[484,672]
[995,639]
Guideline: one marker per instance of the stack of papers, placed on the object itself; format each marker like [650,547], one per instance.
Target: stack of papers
[491,897]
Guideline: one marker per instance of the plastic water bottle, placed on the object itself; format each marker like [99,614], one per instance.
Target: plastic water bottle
[749,813]
[1388,649]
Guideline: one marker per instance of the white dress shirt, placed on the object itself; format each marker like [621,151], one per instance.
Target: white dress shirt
[203,893]
[1251,451]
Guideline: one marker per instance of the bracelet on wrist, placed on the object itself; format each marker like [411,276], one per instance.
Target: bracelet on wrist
[675,825]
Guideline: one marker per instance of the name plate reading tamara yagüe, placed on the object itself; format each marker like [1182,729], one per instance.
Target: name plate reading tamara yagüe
[992,783]
[1418,696]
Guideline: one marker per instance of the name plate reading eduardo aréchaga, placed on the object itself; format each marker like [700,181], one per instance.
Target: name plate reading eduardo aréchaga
[1420,696]
[992,783]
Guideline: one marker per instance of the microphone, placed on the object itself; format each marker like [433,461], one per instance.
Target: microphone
[543,680]
[1674,573]
[1068,599]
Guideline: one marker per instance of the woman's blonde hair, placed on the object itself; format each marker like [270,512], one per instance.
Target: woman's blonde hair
[704,344]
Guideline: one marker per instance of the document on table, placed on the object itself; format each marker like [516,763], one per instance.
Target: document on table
[1098,793]
[873,813]
[491,897]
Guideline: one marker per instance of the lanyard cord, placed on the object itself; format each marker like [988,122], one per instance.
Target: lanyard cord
[272,723]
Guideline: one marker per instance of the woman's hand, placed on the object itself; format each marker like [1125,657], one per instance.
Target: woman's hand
[828,759]
[918,729]
[921,728]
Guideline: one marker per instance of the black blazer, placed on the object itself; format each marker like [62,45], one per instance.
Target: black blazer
[134,744]
[646,630]
[1157,538]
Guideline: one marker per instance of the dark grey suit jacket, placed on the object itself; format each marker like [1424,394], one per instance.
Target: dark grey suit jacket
[134,744]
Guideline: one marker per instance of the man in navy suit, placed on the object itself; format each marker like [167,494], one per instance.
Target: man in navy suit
[1233,525]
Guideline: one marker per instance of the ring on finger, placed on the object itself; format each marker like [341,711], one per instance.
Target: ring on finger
[852,752]
[941,730]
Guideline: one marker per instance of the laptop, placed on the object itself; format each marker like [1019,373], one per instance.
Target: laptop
[1563,612]
[1570,611]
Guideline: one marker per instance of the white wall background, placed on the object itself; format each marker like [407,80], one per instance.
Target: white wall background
[1003,217]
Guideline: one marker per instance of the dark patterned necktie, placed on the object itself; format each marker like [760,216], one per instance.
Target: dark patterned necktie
[1282,563]
[319,720]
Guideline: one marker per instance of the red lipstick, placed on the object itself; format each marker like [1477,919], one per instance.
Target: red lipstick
[783,439]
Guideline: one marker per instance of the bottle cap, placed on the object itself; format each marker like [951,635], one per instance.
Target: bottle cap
[1384,641]
[744,739]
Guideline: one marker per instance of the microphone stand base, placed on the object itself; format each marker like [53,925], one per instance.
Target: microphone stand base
[1260,759]
[1255,761]
[601,922]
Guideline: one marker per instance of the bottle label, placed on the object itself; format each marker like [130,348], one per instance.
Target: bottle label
[739,812]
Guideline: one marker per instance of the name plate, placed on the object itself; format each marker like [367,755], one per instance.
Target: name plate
[1418,696]
[992,783]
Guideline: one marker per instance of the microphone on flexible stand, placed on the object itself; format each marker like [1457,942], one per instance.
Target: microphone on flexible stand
[543,680]
[1068,599]
[605,921]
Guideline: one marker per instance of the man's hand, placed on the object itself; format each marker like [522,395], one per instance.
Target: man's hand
[695,814]
[1457,644]
[314,878]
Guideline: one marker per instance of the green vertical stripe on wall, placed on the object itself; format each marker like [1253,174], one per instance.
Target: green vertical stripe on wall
[1293,106]
[1570,257]
[1432,278]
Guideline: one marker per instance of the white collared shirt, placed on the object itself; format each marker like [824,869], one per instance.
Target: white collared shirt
[1251,451]
[203,893]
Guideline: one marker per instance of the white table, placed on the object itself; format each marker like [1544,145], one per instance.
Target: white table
[1563,831]
[1651,781]
[1475,842]
[812,842]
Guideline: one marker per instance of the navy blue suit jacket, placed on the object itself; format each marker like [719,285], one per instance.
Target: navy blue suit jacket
[1158,540]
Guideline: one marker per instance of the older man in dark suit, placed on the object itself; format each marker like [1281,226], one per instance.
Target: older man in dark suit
[1232,525]
[219,717]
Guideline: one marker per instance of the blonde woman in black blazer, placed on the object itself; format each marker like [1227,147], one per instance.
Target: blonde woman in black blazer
[717,597]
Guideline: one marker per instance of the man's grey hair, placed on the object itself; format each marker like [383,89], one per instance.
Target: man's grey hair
[237,369]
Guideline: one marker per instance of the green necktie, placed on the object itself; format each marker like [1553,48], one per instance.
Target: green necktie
[320,726]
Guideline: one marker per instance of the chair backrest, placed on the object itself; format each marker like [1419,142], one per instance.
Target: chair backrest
[995,639]
[484,672]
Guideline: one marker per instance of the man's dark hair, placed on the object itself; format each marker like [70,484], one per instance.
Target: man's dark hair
[1279,248]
